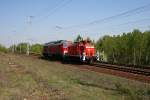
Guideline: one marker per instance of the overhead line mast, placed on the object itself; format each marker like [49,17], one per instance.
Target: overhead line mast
[29,23]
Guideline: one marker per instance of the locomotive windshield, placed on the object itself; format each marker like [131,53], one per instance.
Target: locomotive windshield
[65,45]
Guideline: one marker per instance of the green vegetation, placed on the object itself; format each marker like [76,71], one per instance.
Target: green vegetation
[132,94]
[36,48]
[22,48]
[3,49]
[36,79]
[128,48]
[78,38]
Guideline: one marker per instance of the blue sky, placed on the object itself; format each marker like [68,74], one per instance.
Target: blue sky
[65,19]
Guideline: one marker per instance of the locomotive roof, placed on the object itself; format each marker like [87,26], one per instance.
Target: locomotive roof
[56,42]
[82,41]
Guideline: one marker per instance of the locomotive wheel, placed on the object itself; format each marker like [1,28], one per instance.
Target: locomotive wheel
[91,61]
[64,58]
[45,55]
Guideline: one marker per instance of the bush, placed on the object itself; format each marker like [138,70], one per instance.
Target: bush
[3,49]
[36,48]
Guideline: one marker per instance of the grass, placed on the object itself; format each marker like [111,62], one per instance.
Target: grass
[37,79]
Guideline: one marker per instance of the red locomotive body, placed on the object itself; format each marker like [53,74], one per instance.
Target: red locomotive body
[82,50]
[56,48]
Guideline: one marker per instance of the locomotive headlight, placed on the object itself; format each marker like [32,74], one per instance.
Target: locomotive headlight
[84,53]
[83,57]
[65,51]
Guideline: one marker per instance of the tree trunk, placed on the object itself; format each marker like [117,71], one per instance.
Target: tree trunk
[140,57]
[147,58]
[134,57]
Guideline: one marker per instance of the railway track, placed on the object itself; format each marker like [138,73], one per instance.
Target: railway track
[141,71]
[136,70]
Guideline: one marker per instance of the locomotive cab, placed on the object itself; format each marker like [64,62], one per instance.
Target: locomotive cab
[83,51]
[87,51]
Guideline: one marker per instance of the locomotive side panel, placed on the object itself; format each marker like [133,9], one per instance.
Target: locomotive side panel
[73,50]
[56,48]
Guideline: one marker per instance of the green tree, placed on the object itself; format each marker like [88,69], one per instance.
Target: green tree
[3,49]
[128,48]
[36,48]
[79,38]
[21,48]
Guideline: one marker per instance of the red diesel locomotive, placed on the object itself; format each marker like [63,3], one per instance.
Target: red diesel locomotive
[56,48]
[83,50]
